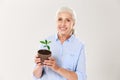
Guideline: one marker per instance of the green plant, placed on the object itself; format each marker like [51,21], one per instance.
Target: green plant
[45,43]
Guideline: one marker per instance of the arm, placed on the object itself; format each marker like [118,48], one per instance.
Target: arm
[37,72]
[80,71]
[69,75]
[81,65]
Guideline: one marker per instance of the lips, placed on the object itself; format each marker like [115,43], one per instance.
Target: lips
[63,28]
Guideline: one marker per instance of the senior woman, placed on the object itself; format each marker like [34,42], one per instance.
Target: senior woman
[68,57]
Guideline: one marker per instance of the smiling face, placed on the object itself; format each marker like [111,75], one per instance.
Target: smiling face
[65,23]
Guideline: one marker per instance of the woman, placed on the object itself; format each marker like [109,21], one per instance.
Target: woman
[68,57]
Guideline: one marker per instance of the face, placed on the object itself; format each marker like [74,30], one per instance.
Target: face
[65,23]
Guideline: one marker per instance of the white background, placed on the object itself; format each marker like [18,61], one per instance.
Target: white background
[24,22]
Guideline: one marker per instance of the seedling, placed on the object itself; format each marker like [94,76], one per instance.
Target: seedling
[45,43]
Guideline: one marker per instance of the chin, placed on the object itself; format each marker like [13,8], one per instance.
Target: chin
[63,34]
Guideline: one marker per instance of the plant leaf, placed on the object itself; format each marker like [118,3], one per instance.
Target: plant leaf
[42,42]
[46,41]
[49,42]
[48,48]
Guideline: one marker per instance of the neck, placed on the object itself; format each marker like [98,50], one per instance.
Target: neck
[62,38]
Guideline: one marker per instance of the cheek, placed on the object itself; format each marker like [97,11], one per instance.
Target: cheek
[58,27]
[58,24]
[69,25]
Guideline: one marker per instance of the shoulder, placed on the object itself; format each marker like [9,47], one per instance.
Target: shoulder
[78,41]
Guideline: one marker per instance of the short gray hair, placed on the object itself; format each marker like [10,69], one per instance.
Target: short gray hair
[67,9]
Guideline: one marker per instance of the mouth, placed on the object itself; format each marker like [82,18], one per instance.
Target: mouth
[63,28]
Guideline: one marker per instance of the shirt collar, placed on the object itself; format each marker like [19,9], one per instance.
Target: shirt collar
[56,37]
[69,39]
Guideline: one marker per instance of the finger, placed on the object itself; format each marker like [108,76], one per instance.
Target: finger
[48,62]
[37,60]
[49,66]
[36,56]
[38,64]
[51,58]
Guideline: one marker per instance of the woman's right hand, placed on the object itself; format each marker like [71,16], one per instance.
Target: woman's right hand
[37,72]
[37,61]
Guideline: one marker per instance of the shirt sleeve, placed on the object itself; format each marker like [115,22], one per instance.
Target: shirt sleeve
[34,78]
[81,65]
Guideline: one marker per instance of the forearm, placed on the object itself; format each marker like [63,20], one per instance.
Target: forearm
[37,72]
[69,75]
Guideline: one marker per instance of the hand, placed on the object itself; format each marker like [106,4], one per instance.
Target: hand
[37,60]
[51,63]
[38,68]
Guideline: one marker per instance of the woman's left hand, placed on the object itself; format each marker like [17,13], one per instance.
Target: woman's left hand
[51,63]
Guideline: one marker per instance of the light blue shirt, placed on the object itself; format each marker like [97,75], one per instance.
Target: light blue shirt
[69,55]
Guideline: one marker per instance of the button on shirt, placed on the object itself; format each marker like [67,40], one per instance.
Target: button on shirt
[69,55]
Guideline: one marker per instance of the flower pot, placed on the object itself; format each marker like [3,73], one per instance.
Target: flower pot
[43,54]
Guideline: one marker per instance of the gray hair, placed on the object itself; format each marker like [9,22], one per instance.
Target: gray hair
[69,10]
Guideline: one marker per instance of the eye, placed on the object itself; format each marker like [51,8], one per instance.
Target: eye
[59,19]
[68,20]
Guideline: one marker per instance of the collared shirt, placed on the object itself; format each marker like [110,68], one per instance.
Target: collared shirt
[69,55]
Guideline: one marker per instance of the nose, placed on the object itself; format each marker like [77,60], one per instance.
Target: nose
[63,23]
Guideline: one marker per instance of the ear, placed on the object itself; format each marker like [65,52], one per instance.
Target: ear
[74,23]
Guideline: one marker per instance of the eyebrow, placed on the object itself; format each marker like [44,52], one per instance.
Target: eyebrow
[65,18]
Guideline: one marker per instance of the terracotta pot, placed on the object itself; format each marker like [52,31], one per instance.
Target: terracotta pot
[43,54]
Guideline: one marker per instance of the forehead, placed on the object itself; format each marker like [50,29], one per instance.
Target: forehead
[64,15]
